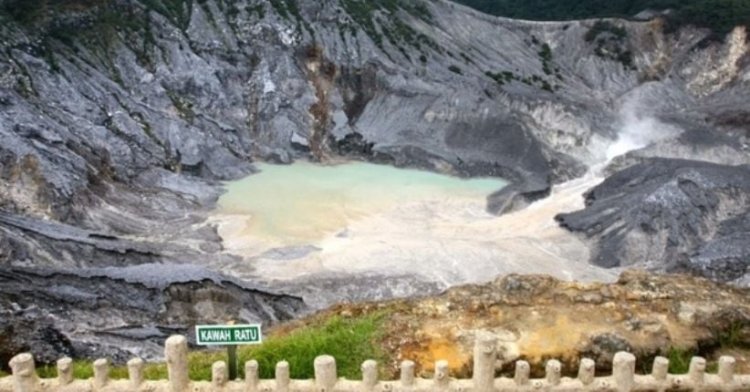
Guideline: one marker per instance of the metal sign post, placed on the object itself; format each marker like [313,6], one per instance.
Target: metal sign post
[232,360]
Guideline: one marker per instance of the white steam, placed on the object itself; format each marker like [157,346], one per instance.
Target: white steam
[638,129]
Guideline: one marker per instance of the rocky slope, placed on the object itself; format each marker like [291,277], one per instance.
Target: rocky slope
[124,311]
[537,318]
[691,214]
[118,118]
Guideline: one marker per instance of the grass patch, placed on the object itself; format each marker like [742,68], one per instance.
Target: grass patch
[733,336]
[350,340]
[679,360]
[3,374]
[82,370]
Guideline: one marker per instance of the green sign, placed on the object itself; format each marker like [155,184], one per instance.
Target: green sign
[227,335]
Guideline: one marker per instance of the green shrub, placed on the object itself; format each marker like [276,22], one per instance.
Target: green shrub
[603,27]
[24,11]
[545,55]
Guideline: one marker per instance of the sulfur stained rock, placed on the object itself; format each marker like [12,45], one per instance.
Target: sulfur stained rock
[537,317]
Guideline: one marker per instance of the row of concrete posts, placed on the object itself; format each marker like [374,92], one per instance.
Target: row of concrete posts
[622,379]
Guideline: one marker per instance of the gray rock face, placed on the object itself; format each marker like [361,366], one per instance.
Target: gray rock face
[517,196]
[727,255]
[673,214]
[204,88]
[322,291]
[120,312]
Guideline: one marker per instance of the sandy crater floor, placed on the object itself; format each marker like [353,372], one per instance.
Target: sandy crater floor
[387,221]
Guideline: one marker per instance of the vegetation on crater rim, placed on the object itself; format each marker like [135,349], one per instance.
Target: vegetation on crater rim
[106,16]
[351,340]
[719,15]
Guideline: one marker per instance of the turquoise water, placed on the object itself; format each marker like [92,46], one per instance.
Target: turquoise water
[298,203]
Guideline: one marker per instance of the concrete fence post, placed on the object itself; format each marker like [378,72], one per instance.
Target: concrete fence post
[24,373]
[586,371]
[660,369]
[369,374]
[407,373]
[219,375]
[325,373]
[282,376]
[135,373]
[175,352]
[101,373]
[64,371]
[251,375]
[442,373]
[726,369]
[697,370]
[523,370]
[553,372]
[485,357]
[623,371]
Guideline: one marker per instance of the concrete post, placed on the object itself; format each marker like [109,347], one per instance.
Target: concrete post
[24,373]
[251,375]
[282,376]
[523,370]
[407,373]
[101,373]
[623,370]
[369,374]
[64,371]
[485,356]
[135,373]
[441,375]
[586,371]
[325,373]
[219,375]
[697,370]
[726,369]
[175,352]
[661,369]
[553,372]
